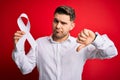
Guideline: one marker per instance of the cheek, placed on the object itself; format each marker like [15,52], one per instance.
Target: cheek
[66,28]
[69,28]
[53,26]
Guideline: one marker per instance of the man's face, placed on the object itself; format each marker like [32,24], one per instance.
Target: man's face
[62,25]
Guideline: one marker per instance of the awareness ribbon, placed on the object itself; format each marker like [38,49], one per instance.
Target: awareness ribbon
[26,29]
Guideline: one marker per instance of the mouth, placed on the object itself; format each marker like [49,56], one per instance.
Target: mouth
[58,31]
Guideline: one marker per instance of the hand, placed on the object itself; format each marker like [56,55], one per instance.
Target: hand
[85,37]
[18,35]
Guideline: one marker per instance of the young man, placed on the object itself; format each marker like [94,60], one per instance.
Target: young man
[61,56]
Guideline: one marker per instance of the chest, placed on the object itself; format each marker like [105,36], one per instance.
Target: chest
[58,54]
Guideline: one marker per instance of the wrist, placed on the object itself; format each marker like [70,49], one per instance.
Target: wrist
[95,37]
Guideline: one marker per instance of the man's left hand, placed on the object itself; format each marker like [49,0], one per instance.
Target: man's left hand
[85,37]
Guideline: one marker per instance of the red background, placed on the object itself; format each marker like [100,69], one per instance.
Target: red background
[102,16]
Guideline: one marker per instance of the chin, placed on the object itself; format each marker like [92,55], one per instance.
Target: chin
[59,36]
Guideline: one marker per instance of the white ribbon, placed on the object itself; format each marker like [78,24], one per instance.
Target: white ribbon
[26,29]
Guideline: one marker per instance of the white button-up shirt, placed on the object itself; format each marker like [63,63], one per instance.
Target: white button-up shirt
[60,61]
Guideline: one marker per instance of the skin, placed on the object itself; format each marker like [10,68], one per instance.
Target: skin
[61,27]
[61,30]
[85,37]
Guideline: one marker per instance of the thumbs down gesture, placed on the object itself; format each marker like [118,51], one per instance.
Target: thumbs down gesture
[85,37]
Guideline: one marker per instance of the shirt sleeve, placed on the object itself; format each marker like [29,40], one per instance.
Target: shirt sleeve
[102,47]
[25,62]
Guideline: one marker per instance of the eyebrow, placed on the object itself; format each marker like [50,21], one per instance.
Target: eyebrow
[60,21]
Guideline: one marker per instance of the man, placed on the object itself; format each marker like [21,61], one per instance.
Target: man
[61,56]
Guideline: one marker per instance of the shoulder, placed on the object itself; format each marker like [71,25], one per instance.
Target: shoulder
[42,39]
[72,39]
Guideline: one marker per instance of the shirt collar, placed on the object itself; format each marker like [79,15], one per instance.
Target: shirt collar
[52,41]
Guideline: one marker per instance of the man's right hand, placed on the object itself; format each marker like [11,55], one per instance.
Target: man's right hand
[18,35]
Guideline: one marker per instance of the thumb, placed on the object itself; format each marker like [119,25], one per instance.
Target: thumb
[80,47]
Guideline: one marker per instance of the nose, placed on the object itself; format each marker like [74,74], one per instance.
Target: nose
[58,25]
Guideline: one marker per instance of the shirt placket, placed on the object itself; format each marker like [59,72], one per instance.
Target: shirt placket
[58,61]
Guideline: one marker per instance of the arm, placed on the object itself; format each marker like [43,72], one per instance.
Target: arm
[25,63]
[97,46]
[102,47]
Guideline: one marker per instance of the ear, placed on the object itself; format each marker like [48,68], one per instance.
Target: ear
[72,25]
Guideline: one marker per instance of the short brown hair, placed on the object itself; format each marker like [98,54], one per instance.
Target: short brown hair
[66,10]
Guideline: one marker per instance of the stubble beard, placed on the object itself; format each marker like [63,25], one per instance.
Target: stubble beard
[61,35]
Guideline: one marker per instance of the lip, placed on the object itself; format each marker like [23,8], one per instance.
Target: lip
[57,31]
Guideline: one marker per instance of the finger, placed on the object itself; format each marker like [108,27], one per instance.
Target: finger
[80,41]
[81,38]
[80,47]
[16,39]
[18,35]
[82,34]
[92,34]
[86,32]
[20,32]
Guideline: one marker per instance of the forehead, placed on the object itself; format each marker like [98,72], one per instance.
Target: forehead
[62,17]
